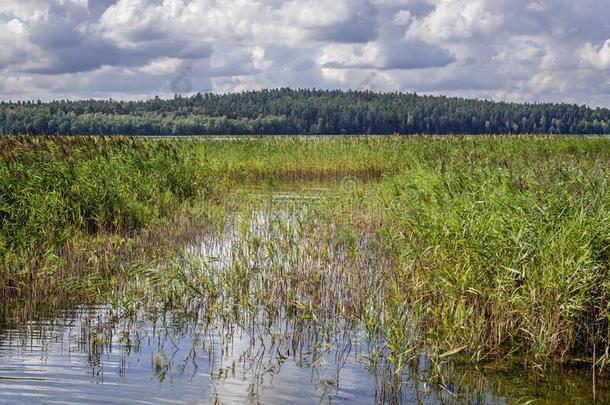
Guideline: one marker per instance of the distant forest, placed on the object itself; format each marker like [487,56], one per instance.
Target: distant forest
[286,111]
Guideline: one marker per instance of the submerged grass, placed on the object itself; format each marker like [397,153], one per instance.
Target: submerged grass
[476,249]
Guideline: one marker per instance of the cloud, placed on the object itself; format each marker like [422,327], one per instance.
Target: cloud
[598,57]
[456,20]
[385,56]
[359,25]
[543,50]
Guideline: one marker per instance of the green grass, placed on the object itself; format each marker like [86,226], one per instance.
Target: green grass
[504,249]
[56,191]
[491,247]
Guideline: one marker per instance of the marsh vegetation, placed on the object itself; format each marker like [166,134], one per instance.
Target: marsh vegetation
[362,269]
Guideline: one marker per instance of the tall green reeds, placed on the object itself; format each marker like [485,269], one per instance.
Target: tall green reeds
[56,191]
[493,247]
[502,247]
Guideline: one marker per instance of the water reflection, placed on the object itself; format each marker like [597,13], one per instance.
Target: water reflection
[94,354]
[248,322]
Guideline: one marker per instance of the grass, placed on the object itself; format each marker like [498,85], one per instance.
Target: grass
[503,255]
[476,249]
[62,196]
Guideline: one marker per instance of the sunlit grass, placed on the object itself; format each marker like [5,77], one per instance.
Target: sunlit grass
[476,249]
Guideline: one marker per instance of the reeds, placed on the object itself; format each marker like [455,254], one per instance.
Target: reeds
[501,248]
[56,193]
[476,249]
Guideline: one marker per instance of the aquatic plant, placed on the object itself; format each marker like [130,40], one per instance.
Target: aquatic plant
[56,193]
[476,250]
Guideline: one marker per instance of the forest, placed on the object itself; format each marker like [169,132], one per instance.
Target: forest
[299,112]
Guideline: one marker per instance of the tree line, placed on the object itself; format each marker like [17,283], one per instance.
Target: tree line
[288,111]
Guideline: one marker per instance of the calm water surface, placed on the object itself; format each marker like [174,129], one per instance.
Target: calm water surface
[87,357]
[97,354]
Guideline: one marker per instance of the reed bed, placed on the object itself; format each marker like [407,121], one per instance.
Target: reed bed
[500,245]
[483,250]
[63,198]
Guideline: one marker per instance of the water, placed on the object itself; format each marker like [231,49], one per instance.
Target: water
[262,350]
[85,357]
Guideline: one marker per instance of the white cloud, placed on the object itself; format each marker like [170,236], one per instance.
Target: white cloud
[161,66]
[336,75]
[16,27]
[455,20]
[543,50]
[403,17]
[598,57]
[350,55]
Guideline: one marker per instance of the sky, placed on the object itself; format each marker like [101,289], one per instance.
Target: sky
[512,50]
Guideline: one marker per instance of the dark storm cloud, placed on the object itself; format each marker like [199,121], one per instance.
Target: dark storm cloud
[97,7]
[417,55]
[291,59]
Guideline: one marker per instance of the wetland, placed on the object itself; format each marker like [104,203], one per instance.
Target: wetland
[340,270]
